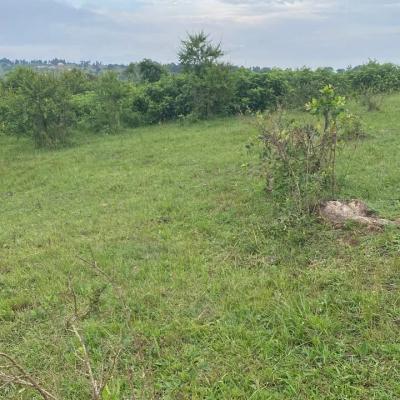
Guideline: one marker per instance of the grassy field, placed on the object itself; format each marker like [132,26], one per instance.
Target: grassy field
[206,294]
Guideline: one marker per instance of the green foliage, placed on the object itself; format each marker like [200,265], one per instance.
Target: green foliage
[296,163]
[375,78]
[300,160]
[150,70]
[146,71]
[198,52]
[132,73]
[371,99]
[209,86]
[305,83]
[83,104]
[113,391]
[39,106]
[258,92]
[201,87]
[78,81]
[107,107]
[164,100]
[329,105]
[211,93]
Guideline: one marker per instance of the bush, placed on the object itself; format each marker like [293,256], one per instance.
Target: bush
[162,101]
[78,81]
[295,159]
[39,106]
[258,91]
[106,109]
[204,87]
[300,160]
[210,93]
[305,84]
[375,78]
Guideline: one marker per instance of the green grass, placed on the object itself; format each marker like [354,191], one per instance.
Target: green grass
[225,302]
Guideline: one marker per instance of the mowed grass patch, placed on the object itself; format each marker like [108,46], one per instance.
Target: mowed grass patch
[225,301]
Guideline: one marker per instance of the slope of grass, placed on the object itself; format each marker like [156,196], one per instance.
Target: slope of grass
[219,300]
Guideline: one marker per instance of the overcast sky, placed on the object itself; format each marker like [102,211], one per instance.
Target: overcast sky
[285,33]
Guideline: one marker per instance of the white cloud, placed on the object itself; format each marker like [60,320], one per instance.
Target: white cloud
[254,32]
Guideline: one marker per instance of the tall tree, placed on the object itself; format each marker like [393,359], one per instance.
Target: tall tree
[198,52]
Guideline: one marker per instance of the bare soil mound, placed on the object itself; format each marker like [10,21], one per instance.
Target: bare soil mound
[339,212]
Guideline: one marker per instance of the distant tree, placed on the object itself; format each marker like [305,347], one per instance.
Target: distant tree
[56,61]
[173,68]
[6,61]
[84,64]
[150,71]
[77,80]
[198,52]
[132,72]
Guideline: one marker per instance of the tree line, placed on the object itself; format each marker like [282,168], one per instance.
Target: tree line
[48,106]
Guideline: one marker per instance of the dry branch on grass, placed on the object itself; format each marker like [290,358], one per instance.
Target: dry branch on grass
[16,375]
[12,373]
[97,384]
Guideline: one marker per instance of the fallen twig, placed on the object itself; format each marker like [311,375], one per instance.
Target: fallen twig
[24,379]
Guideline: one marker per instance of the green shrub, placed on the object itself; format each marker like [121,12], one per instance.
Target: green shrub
[306,83]
[106,110]
[211,93]
[78,81]
[258,91]
[82,104]
[300,160]
[39,106]
[151,71]
[164,100]
[375,78]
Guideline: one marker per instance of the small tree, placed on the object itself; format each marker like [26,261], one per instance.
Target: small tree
[330,106]
[37,105]
[210,84]
[198,52]
[300,160]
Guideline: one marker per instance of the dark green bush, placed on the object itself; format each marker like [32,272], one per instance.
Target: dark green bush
[259,91]
[37,105]
[106,111]
[210,93]
[375,78]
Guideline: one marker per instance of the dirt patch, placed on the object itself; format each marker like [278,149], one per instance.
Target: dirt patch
[340,212]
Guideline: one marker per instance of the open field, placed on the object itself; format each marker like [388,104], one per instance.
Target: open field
[224,303]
